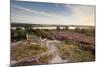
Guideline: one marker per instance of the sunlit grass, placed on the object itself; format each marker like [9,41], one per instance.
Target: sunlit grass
[26,50]
[75,54]
[45,59]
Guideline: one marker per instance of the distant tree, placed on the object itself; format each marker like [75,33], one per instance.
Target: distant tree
[58,28]
[37,32]
[77,29]
[18,28]
[21,33]
[66,28]
[46,30]
[29,29]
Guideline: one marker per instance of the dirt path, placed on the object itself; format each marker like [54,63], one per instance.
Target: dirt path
[52,49]
[16,43]
[52,46]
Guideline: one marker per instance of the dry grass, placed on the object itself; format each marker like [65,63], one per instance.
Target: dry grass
[74,54]
[45,59]
[26,50]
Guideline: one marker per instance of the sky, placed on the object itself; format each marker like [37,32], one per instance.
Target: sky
[52,13]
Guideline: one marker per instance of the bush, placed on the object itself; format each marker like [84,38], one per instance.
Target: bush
[87,32]
[18,34]
[29,30]
[40,32]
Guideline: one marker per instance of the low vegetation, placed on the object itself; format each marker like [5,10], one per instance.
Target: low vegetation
[69,47]
[26,50]
[45,59]
[74,53]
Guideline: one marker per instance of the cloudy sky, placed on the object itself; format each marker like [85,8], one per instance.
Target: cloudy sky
[51,13]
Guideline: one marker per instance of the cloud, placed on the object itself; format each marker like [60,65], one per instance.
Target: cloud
[30,11]
[47,17]
[81,15]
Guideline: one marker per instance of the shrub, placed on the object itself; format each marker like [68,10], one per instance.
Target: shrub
[18,34]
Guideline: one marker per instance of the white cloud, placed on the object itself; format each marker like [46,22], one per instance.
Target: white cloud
[85,15]
[48,16]
[81,15]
